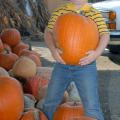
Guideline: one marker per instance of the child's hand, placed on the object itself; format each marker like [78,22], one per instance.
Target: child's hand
[91,56]
[57,57]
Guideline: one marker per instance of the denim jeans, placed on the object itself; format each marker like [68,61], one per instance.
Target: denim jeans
[85,78]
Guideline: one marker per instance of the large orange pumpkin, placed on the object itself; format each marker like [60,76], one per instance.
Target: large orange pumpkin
[68,111]
[75,35]
[11,36]
[1,46]
[7,59]
[33,114]
[11,99]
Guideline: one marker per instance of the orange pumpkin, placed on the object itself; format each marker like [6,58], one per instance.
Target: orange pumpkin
[75,35]
[35,59]
[11,36]
[7,59]
[1,46]
[11,99]
[26,52]
[37,86]
[68,111]
[33,114]
[19,47]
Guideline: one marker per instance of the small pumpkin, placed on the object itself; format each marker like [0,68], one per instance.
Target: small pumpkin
[65,111]
[75,36]
[19,47]
[12,99]
[26,52]
[35,59]
[37,86]
[7,59]
[33,114]
[24,67]
[3,72]
[1,46]
[11,36]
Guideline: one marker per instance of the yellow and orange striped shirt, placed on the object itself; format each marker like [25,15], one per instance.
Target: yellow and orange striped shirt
[87,10]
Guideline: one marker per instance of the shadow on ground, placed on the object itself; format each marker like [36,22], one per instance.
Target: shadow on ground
[46,62]
[113,57]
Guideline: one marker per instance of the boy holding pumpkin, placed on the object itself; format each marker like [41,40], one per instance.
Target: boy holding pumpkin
[85,73]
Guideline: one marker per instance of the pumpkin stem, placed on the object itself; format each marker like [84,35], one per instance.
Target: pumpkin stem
[75,103]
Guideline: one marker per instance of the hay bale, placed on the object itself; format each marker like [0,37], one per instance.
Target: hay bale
[13,15]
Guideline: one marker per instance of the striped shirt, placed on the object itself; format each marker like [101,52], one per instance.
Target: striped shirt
[87,10]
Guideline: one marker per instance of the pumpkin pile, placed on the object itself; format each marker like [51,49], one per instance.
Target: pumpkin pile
[18,61]
[14,105]
[11,48]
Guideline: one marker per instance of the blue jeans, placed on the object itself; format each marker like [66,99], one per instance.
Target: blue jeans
[85,78]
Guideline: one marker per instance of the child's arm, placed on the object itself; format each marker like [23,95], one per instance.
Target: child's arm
[104,40]
[94,54]
[49,40]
